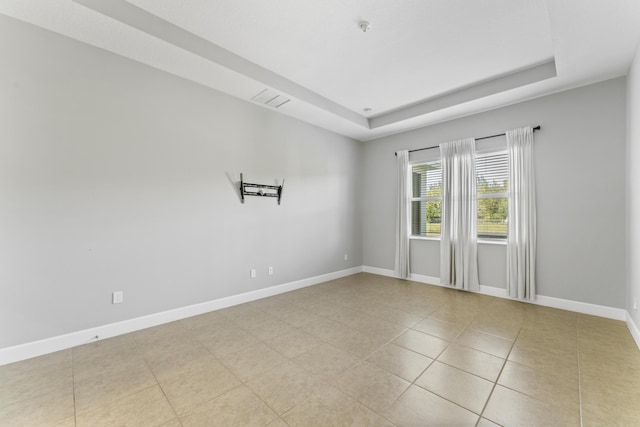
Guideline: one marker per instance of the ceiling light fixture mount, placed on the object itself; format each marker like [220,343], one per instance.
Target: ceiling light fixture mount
[364,26]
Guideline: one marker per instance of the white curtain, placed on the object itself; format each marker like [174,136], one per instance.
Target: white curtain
[402,215]
[521,239]
[458,240]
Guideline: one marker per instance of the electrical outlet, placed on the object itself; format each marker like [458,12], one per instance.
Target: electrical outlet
[253,273]
[117,297]
[635,304]
[346,257]
[270,271]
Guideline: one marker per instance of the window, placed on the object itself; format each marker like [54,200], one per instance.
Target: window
[491,188]
[426,200]
[492,171]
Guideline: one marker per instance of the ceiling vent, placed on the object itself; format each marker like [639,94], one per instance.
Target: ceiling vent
[270,98]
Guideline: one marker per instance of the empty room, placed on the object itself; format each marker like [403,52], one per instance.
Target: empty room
[319,213]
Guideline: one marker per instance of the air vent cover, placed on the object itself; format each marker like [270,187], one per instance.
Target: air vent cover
[270,98]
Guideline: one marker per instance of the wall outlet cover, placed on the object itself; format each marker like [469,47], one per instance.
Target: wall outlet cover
[117,297]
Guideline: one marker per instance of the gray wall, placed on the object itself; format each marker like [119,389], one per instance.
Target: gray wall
[116,176]
[633,190]
[580,161]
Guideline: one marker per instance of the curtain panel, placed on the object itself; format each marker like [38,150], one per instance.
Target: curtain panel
[458,240]
[402,215]
[521,239]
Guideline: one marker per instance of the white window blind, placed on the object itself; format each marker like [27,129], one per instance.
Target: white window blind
[426,200]
[492,185]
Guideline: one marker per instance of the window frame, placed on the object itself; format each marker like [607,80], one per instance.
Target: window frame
[423,199]
[481,238]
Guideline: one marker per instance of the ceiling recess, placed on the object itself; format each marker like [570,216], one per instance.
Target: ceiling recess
[270,98]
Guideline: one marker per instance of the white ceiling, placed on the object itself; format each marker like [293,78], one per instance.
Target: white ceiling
[422,61]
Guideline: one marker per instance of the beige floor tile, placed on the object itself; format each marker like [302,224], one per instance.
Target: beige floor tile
[467,390]
[381,329]
[37,365]
[101,388]
[173,423]
[294,343]
[169,345]
[30,380]
[347,316]
[240,310]
[252,361]
[603,416]
[611,397]
[330,407]
[101,347]
[285,386]
[419,342]
[201,382]
[554,322]
[98,359]
[452,314]
[225,341]
[294,316]
[238,407]
[547,340]
[168,364]
[167,332]
[498,327]
[391,314]
[357,343]
[553,361]
[554,389]
[324,329]
[146,407]
[417,307]
[607,369]
[204,320]
[617,346]
[398,360]
[43,410]
[484,342]
[438,328]
[418,407]
[208,329]
[326,361]
[371,386]
[473,361]
[486,423]
[269,328]
[69,422]
[510,408]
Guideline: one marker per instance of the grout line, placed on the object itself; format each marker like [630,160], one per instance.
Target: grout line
[139,349]
[579,373]
[73,381]
[495,383]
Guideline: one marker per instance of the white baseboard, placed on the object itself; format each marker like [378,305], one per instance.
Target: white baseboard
[633,328]
[62,342]
[563,304]
[414,277]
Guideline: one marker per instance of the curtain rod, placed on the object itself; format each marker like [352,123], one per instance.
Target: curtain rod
[477,139]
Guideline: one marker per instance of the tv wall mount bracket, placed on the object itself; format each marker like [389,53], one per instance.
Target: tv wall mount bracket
[248,189]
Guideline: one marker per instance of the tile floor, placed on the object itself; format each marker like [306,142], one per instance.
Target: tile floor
[365,350]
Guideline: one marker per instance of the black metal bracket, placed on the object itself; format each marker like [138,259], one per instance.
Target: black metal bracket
[247,189]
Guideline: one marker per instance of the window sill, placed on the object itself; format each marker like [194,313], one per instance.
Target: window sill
[413,237]
[500,242]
